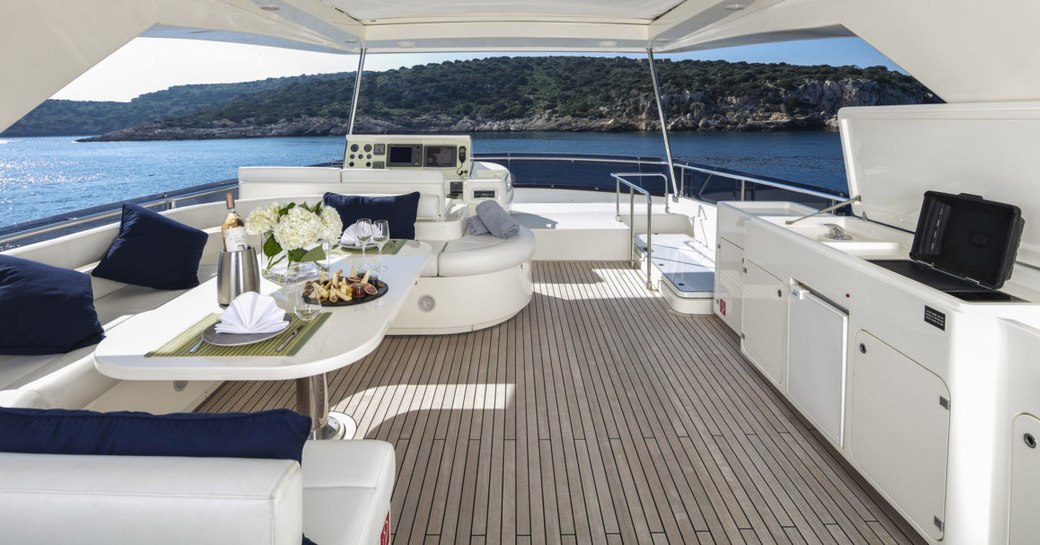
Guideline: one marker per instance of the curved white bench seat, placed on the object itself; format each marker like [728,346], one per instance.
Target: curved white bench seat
[494,271]
[340,496]
[482,254]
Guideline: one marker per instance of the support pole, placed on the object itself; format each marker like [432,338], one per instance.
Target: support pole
[357,90]
[664,128]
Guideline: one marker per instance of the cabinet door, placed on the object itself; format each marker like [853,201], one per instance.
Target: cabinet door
[817,343]
[764,322]
[1024,526]
[900,428]
[729,282]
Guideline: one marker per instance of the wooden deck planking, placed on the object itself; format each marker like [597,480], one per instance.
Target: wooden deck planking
[594,416]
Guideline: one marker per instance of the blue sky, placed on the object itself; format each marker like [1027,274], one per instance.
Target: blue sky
[152,64]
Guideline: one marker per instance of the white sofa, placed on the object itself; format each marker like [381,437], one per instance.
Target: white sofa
[341,496]
[462,268]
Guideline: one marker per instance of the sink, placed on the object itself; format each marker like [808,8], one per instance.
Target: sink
[865,238]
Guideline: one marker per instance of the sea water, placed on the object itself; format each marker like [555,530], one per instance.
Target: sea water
[47,176]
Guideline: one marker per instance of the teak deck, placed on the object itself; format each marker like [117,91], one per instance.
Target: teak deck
[596,415]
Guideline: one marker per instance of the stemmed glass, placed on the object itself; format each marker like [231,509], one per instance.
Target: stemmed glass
[381,235]
[363,233]
[306,306]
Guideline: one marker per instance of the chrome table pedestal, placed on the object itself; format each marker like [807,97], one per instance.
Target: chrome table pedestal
[312,400]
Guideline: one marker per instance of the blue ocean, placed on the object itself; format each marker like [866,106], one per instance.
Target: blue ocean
[46,176]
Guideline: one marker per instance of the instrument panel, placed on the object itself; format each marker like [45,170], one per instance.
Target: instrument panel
[446,153]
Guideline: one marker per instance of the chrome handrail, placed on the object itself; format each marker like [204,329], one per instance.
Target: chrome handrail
[834,197]
[619,178]
[744,179]
[166,202]
[38,228]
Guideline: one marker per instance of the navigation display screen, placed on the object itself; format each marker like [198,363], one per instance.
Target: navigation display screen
[405,155]
[441,156]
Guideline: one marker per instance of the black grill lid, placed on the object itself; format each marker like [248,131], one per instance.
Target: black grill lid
[968,236]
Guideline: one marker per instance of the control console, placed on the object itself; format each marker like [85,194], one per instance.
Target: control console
[450,154]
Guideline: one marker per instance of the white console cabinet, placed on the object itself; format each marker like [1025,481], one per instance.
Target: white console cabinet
[729,283]
[900,425]
[1025,475]
[764,322]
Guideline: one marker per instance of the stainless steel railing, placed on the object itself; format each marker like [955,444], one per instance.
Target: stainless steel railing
[745,179]
[72,221]
[744,188]
[619,178]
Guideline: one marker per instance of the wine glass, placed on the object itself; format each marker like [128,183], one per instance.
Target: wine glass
[363,233]
[381,235]
[306,306]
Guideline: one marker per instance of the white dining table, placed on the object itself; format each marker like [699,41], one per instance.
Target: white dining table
[348,335]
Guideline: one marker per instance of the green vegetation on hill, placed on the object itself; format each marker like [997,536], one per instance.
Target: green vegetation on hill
[503,93]
[71,117]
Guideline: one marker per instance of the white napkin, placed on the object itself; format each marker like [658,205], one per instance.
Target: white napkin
[252,313]
[349,237]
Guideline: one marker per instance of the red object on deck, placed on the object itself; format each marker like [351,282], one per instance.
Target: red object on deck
[384,538]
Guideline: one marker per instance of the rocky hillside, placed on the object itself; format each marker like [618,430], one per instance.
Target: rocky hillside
[547,94]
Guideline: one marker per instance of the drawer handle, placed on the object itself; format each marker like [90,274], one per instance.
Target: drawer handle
[862,348]
[1030,440]
[779,293]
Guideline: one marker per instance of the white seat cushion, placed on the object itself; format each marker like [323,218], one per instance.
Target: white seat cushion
[346,490]
[70,380]
[95,500]
[430,267]
[482,254]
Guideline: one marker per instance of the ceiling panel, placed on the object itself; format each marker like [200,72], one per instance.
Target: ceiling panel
[376,10]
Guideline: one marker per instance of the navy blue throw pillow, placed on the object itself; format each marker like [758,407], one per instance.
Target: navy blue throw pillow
[399,210]
[278,434]
[47,310]
[154,251]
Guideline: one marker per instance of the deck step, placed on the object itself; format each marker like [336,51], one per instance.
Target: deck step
[681,260]
[686,271]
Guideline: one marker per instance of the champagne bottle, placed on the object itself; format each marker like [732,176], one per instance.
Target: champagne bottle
[233,229]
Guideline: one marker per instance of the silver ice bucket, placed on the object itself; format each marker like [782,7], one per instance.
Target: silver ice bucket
[237,273]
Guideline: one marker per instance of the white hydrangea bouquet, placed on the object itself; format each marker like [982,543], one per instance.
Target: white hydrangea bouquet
[294,233]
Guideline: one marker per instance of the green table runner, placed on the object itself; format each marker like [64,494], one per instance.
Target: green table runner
[181,345]
[391,248]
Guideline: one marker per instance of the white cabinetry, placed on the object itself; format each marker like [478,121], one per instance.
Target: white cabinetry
[1025,481]
[817,343]
[899,430]
[764,322]
[729,282]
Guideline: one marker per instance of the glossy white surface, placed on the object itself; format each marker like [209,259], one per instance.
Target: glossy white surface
[894,154]
[150,499]
[817,338]
[348,335]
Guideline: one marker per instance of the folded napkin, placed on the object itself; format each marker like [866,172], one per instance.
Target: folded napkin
[498,222]
[476,227]
[252,313]
[350,239]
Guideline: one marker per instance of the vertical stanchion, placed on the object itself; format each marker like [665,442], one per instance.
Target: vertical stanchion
[664,129]
[357,90]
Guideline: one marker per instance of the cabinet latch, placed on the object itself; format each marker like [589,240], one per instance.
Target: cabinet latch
[938,522]
[944,403]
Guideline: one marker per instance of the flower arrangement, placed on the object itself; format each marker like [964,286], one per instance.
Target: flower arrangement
[294,232]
